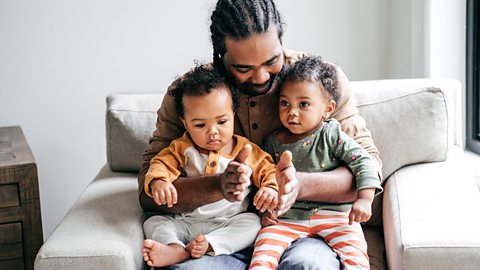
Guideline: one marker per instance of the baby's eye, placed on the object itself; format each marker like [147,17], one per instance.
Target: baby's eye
[199,125]
[284,103]
[222,122]
[304,104]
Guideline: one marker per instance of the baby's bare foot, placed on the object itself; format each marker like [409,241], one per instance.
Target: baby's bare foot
[159,255]
[198,247]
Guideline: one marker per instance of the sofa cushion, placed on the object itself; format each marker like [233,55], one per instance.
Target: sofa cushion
[408,125]
[130,121]
[430,216]
[102,230]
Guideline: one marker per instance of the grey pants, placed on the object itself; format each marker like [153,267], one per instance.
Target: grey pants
[225,237]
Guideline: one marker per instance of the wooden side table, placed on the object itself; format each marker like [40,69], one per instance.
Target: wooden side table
[20,219]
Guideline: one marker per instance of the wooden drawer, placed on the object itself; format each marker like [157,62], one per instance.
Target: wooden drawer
[11,248]
[9,194]
[12,264]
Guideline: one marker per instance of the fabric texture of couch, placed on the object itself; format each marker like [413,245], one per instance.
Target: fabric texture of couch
[427,217]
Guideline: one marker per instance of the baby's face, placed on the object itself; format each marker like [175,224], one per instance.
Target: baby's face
[303,106]
[209,119]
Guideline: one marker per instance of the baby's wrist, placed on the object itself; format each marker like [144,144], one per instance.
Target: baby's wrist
[155,181]
[366,194]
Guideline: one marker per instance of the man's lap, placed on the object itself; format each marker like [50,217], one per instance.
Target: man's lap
[305,253]
[309,253]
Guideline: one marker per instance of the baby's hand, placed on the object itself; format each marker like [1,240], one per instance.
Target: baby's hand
[164,193]
[269,218]
[361,211]
[266,198]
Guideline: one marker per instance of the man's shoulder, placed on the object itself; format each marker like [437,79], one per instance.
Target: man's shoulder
[292,56]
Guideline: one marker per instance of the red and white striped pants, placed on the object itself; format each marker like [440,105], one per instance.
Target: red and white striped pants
[346,240]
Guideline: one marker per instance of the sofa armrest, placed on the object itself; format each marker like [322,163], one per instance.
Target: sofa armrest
[102,230]
[431,216]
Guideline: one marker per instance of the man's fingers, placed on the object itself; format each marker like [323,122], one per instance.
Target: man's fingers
[287,188]
[243,154]
[235,167]
[285,160]
[239,197]
[234,180]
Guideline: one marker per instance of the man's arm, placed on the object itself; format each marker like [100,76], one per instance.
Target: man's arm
[336,186]
[193,193]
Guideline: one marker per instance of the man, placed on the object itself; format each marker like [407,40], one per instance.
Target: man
[246,37]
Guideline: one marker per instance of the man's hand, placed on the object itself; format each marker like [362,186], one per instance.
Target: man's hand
[266,199]
[163,193]
[269,218]
[235,179]
[288,183]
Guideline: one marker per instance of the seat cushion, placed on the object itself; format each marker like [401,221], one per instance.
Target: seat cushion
[431,217]
[102,230]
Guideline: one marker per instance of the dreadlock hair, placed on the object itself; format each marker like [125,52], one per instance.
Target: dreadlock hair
[313,69]
[239,19]
[200,81]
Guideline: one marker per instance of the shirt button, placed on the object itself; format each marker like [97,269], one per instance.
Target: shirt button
[254,126]
[213,163]
[252,103]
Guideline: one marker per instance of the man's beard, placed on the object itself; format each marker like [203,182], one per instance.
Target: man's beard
[250,88]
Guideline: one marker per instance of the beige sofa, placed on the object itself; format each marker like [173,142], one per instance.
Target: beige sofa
[427,217]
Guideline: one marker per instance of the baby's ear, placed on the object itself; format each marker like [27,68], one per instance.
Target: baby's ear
[331,105]
[183,122]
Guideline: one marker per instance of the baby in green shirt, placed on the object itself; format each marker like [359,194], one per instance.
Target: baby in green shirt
[308,96]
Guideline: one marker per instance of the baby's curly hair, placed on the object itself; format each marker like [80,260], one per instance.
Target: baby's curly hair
[200,81]
[313,69]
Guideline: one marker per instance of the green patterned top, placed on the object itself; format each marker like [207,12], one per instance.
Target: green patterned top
[324,150]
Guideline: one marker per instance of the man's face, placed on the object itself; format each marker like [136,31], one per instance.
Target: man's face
[254,61]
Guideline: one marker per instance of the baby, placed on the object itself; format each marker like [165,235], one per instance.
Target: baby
[308,97]
[206,106]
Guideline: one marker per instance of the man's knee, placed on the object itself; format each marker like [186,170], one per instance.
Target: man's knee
[211,263]
[309,253]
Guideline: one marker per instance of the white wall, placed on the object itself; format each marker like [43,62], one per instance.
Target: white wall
[59,59]
[353,34]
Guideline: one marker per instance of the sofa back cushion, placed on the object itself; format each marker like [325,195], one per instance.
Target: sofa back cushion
[130,121]
[411,120]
